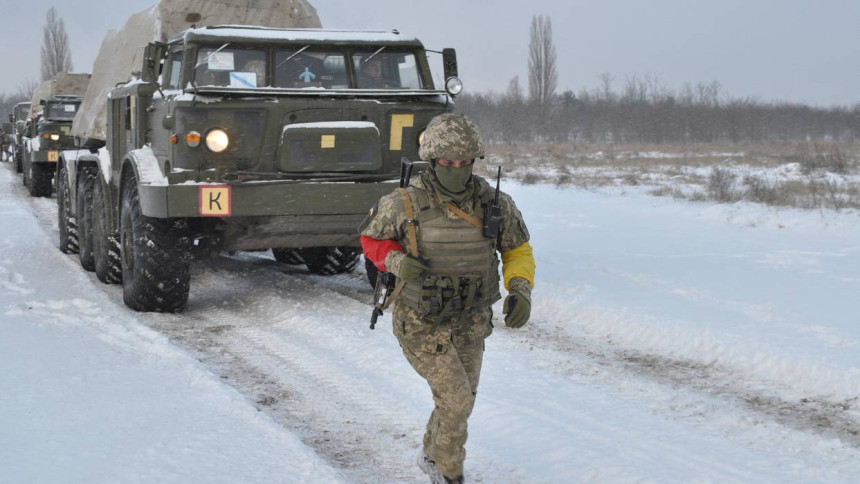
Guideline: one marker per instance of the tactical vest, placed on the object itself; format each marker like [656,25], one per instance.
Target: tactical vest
[464,268]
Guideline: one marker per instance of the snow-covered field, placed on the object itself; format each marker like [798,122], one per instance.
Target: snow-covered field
[670,342]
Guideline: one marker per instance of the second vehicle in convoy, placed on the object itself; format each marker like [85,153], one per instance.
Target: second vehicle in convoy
[47,134]
[245,138]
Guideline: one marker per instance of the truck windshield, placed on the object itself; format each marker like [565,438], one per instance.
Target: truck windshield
[61,110]
[21,112]
[307,68]
[381,69]
[245,68]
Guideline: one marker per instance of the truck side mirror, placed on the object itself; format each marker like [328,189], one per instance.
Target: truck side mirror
[449,61]
[152,55]
[11,118]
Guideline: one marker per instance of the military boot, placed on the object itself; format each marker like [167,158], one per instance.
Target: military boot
[429,468]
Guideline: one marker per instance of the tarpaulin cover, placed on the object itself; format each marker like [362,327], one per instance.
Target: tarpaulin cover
[121,51]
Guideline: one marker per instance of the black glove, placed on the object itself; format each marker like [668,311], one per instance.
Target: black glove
[518,304]
[412,269]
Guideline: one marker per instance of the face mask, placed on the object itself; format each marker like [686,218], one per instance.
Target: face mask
[453,180]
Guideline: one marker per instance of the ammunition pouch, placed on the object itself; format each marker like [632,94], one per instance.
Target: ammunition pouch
[445,297]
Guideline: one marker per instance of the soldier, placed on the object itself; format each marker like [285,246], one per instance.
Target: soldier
[5,141]
[449,279]
[371,76]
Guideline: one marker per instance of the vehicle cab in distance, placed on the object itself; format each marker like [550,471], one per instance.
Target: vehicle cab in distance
[48,134]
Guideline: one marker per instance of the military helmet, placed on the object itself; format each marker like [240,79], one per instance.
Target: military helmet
[451,136]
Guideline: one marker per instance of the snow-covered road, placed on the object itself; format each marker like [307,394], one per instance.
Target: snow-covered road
[670,342]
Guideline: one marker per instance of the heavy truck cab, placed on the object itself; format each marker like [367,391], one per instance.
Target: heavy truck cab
[48,134]
[246,138]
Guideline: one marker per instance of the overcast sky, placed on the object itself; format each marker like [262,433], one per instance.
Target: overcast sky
[800,51]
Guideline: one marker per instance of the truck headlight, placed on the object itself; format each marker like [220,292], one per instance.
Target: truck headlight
[55,137]
[217,140]
[454,86]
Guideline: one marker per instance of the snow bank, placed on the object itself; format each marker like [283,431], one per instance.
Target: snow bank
[764,295]
[88,394]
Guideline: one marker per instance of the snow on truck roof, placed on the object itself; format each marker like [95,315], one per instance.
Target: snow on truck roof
[223,32]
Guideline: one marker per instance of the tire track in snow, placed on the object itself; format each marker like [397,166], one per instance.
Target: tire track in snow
[291,357]
[831,419]
[310,381]
[825,417]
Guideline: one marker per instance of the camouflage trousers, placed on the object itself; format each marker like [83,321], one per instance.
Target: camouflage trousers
[448,356]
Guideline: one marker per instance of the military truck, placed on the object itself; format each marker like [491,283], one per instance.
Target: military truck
[48,133]
[245,138]
[18,117]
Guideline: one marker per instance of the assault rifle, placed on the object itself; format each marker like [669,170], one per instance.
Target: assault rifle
[385,281]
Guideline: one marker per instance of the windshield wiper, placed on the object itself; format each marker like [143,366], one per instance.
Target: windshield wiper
[206,60]
[371,56]
[290,57]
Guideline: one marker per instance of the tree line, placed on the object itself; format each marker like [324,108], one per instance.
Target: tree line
[646,112]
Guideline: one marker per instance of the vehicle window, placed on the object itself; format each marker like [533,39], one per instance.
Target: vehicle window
[22,113]
[386,70]
[61,110]
[245,68]
[305,68]
[175,71]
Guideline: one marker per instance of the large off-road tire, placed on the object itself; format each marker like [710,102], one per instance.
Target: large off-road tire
[155,257]
[40,181]
[289,256]
[66,223]
[105,245]
[372,272]
[25,173]
[331,260]
[84,210]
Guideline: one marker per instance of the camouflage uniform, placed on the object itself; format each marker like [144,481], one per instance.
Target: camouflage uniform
[446,349]
[5,141]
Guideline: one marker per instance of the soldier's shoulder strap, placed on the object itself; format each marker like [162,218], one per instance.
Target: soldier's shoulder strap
[411,221]
[465,216]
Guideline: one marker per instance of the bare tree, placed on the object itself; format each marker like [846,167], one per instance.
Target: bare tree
[25,89]
[514,93]
[605,91]
[56,52]
[543,76]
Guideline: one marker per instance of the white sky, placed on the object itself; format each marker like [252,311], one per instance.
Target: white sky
[795,50]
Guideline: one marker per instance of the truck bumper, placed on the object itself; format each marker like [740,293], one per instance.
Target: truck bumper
[259,215]
[45,156]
